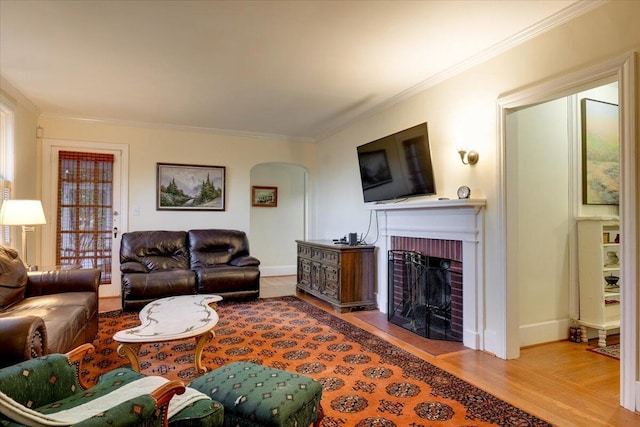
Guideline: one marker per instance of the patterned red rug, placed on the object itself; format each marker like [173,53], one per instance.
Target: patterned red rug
[366,380]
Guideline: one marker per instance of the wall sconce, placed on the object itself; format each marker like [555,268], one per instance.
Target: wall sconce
[468,158]
[25,213]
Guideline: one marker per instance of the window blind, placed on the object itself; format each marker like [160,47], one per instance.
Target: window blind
[85,211]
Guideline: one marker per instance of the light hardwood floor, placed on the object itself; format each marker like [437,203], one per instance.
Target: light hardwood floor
[560,382]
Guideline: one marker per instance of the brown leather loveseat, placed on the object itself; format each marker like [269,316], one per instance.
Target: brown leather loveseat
[158,264]
[45,311]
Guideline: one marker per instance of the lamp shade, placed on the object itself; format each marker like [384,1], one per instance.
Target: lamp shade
[22,212]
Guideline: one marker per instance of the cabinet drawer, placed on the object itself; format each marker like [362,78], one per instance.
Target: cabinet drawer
[331,256]
[304,251]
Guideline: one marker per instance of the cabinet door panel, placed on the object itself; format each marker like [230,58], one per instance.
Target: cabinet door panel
[332,282]
[304,273]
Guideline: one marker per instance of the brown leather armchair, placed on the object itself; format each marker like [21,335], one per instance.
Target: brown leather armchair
[45,311]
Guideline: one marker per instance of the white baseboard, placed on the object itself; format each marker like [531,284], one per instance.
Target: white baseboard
[538,333]
[282,270]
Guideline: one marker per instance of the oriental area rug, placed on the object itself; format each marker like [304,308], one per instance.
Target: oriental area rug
[367,382]
[610,350]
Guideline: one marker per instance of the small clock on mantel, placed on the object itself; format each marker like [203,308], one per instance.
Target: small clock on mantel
[464,192]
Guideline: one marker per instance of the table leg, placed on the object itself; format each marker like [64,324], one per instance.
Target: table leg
[131,351]
[201,340]
[602,338]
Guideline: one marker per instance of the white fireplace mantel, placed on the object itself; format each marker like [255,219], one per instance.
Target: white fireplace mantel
[461,220]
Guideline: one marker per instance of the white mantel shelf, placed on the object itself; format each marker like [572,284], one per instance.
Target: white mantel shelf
[454,219]
[429,204]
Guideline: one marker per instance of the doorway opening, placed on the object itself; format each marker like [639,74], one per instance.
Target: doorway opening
[266,231]
[619,69]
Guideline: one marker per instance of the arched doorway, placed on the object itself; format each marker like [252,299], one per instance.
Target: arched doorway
[274,230]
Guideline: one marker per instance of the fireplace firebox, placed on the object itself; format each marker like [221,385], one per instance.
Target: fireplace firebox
[419,289]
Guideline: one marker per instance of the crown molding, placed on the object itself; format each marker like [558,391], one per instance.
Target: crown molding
[571,12]
[11,94]
[182,128]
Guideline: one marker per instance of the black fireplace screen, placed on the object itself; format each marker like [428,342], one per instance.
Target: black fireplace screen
[420,294]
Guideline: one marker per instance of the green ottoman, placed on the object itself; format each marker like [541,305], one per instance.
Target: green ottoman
[255,395]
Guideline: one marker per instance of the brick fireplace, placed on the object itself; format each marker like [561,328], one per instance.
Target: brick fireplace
[449,229]
[431,253]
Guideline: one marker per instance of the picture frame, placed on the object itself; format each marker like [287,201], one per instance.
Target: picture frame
[600,153]
[265,197]
[374,168]
[185,187]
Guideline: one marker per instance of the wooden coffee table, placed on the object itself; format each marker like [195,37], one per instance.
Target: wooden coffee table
[170,319]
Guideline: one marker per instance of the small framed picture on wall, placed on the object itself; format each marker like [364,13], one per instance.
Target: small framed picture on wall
[266,197]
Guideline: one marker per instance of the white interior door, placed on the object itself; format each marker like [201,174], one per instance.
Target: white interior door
[118,223]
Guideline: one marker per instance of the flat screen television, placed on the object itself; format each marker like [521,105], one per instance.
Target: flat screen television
[397,166]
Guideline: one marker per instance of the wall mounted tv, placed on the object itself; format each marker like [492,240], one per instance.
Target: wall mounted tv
[397,166]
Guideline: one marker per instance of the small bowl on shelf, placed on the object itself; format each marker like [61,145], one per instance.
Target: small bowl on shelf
[611,280]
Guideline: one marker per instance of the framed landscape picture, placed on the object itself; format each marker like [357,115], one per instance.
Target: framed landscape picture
[600,153]
[190,187]
[264,196]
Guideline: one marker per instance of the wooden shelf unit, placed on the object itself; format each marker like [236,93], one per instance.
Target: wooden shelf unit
[598,257]
[342,275]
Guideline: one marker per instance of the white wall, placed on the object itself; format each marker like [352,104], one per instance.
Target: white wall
[462,109]
[148,146]
[544,219]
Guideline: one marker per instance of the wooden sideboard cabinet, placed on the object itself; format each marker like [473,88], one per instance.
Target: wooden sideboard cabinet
[341,275]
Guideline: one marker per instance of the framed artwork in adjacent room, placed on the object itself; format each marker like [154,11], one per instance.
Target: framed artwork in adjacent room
[190,187]
[600,153]
[266,197]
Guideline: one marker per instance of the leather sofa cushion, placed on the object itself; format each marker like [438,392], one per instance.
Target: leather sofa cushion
[155,250]
[65,315]
[223,279]
[212,247]
[13,278]
[158,284]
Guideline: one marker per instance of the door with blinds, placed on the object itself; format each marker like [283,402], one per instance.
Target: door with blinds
[83,203]
[85,211]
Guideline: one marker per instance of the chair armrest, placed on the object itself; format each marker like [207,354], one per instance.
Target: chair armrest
[165,392]
[245,261]
[75,357]
[22,338]
[60,281]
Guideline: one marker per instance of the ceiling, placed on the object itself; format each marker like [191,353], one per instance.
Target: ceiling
[296,70]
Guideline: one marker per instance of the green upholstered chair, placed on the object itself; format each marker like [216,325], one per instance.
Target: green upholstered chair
[50,391]
[255,395]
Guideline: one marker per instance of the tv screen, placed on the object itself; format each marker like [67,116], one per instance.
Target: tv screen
[397,166]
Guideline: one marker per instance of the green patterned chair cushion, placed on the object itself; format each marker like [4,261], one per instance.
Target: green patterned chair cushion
[255,395]
[36,382]
[49,385]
